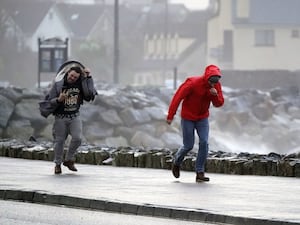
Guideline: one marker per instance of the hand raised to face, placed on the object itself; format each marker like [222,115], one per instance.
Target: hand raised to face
[62,96]
[213,91]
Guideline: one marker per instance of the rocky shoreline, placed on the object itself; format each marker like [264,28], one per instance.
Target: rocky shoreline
[255,133]
[251,120]
[272,164]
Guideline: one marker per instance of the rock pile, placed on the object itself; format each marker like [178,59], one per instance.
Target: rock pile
[120,116]
[251,120]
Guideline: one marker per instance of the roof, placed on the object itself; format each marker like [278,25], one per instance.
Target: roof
[279,12]
[180,20]
[80,18]
[26,13]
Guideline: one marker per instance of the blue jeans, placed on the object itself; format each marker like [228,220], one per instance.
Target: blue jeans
[188,133]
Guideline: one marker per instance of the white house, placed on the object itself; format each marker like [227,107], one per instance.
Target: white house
[32,21]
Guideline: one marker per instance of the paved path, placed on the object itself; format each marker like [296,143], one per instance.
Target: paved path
[245,200]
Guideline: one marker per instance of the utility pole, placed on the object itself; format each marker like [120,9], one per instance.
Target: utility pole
[116,42]
[165,40]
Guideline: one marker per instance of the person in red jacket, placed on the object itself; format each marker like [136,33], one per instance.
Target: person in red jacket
[196,95]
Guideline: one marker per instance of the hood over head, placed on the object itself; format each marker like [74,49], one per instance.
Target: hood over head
[212,70]
[65,67]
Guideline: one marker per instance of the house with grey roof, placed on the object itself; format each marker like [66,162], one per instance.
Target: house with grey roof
[173,40]
[33,19]
[150,48]
[153,40]
[255,35]
[92,36]
[26,22]
[80,18]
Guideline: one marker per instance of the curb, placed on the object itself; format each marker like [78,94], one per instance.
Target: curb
[132,208]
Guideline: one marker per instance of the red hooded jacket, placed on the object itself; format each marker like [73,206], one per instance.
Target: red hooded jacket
[196,96]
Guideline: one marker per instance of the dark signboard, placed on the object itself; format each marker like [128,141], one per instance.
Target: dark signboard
[52,53]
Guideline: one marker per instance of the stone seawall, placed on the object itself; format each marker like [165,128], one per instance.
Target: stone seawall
[272,164]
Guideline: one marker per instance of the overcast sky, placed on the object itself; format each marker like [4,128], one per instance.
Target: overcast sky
[192,4]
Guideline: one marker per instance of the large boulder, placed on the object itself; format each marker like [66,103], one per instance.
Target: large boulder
[6,110]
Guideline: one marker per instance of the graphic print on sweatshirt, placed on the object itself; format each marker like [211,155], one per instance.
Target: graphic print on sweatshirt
[71,103]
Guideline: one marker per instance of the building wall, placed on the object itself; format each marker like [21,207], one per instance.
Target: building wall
[215,29]
[246,55]
[284,55]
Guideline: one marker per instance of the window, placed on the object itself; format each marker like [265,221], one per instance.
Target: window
[58,58]
[46,60]
[295,34]
[50,15]
[264,38]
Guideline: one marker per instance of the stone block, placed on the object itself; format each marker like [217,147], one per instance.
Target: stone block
[259,167]
[148,160]
[82,157]
[27,154]
[112,206]
[248,167]
[38,155]
[75,202]
[146,210]
[27,196]
[13,194]
[2,194]
[285,169]
[188,164]
[179,214]
[210,166]
[39,197]
[166,162]
[98,204]
[220,166]
[53,199]
[226,166]
[100,156]
[216,218]
[272,168]
[156,160]
[129,208]
[162,212]
[297,169]
[15,152]
[3,151]
[239,167]
[90,158]
[50,155]
[290,168]
[140,159]
[123,158]
[197,216]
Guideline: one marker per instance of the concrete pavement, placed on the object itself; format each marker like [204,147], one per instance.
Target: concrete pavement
[231,199]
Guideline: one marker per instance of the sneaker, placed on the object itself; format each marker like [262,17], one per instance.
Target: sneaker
[70,165]
[57,169]
[175,170]
[200,177]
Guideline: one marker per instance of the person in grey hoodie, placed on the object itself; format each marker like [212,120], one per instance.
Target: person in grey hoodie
[67,95]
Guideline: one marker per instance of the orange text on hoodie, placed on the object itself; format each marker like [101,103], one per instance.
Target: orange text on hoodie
[196,96]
